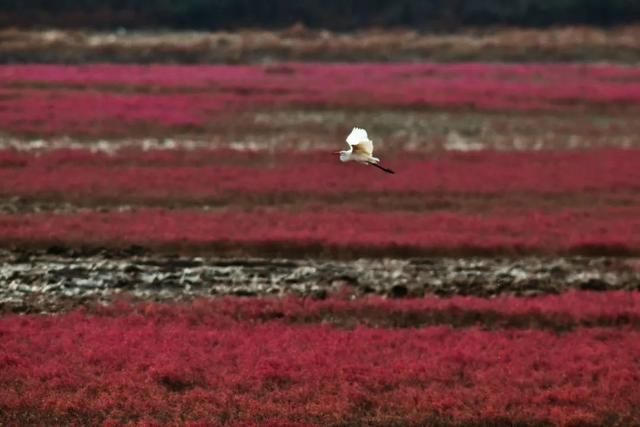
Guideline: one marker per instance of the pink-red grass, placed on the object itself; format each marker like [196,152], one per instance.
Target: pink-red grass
[567,310]
[108,99]
[210,364]
[588,231]
[206,175]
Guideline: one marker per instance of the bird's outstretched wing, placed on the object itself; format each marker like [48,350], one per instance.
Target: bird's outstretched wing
[356,136]
[360,141]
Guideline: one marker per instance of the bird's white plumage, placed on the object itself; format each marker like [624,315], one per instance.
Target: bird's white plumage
[359,141]
[361,150]
[356,136]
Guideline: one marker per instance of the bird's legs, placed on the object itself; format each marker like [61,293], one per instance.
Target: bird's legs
[381,167]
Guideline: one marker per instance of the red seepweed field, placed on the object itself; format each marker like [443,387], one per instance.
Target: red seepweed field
[206,175]
[239,362]
[484,202]
[116,100]
[261,232]
[147,182]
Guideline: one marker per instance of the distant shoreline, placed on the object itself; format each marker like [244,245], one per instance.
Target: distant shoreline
[255,46]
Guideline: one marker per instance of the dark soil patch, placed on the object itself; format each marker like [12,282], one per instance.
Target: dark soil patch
[59,279]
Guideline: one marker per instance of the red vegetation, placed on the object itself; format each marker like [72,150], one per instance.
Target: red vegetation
[205,176]
[594,231]
[221,362]
[107,99]
[576,201]
[573,308]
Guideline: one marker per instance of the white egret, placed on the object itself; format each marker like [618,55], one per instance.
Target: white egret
[360,150]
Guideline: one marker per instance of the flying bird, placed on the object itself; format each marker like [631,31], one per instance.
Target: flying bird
[360,150]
